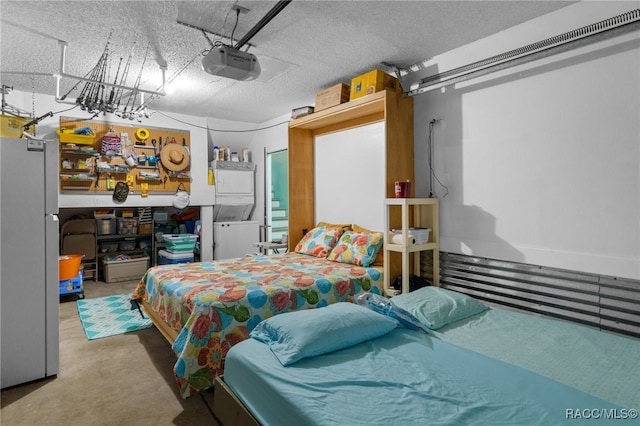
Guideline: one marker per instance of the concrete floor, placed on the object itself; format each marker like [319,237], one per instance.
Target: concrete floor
[118,380]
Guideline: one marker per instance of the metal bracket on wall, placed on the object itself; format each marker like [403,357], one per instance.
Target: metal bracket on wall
[589,34]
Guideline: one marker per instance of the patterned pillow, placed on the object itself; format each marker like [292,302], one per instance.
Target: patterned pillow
[319,241]
[357,248]
[379,261]
[344,226]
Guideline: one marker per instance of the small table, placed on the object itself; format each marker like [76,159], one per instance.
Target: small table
[265,246]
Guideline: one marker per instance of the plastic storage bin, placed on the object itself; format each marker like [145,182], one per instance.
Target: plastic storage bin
[180,242]
[127,245]
[74,285]
[127,226]
[126,269]
[69,265]
[167,258]
[106,226]
[108,247]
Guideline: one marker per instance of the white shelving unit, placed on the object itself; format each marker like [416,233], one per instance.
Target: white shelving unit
[417,213]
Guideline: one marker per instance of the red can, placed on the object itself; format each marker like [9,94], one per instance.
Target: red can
[403,189]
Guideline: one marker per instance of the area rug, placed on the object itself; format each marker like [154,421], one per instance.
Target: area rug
[110,316]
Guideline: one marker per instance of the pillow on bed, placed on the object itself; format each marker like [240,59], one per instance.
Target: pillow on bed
[385,306]
[436,307]
[379,261]
[311,332]
[357,248]
[319,241]
[343,226]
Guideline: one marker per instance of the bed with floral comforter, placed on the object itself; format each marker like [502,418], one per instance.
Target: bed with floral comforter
[214,305]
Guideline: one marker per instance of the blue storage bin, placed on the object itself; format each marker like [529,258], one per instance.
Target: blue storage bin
[74,285]
[180,242]
[169,258]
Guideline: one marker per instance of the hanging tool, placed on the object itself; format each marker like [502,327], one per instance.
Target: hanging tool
[37,120]
[184,144]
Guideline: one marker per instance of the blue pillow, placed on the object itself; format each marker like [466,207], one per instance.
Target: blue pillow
[436,307]
[302,334]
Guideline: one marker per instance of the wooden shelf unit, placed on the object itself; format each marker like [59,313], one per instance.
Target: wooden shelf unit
[392,108]
[419,213]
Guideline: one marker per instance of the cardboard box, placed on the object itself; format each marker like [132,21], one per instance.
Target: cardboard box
[145,228]
[334,95]
[125,270]
[372,82]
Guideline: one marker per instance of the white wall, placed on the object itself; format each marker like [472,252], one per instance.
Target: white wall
[349,176]
[541,162]
[273,136]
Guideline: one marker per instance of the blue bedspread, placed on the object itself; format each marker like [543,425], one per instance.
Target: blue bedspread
[404,378]
[599,363]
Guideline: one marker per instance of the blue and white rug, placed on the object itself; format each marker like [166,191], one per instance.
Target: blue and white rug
[109,316]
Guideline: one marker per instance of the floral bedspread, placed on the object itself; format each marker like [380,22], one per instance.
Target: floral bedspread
[214,305]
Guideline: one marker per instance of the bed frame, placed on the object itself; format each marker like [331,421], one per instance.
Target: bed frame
[169,333]
[228,409]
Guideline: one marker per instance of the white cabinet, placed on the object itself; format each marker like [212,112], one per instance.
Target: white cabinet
[234,239]
[415,213]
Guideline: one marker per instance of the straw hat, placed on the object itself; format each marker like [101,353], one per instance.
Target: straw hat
[174,157]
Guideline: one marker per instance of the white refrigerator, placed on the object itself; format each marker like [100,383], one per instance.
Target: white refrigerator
[29,251]
[235,239]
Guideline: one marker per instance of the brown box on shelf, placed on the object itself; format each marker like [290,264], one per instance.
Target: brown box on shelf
[372,82]
[334,95]
[145,228]
[124,270]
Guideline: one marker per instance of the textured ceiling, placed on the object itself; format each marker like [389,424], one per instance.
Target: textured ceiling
[309,46]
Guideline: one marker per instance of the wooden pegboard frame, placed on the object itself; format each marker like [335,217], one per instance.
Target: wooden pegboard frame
[168,182]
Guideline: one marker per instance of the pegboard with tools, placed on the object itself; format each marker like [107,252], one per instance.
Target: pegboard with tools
[95,155]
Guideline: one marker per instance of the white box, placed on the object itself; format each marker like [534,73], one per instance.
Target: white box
[415,235]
